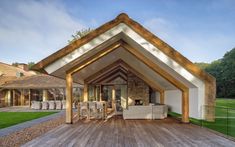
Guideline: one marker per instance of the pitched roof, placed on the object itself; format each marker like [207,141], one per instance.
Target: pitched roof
[9,72]
[40,81]
[124,18]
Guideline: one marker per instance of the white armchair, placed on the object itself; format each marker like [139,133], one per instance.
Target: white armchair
[45,105]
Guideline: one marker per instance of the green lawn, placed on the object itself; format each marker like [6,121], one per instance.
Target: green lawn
[12,118]
[225,117]
[227,103]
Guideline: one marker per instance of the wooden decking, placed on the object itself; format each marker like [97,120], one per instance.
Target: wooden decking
[119,132]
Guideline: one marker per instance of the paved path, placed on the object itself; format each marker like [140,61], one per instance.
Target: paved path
[18,127]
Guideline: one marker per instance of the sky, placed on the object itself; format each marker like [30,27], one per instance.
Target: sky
[202,30]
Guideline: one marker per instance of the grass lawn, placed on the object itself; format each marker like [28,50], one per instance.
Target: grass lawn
[225,117]
[227,103]
[8,119]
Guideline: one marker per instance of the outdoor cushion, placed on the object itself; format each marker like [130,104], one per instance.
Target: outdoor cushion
[58,105]
[45,105]
[101,109]
[83,105]
[51,105]
[32,104]
[83,109]
[74,105]
[92,106]
[100,105]
[63,104]
[36,105]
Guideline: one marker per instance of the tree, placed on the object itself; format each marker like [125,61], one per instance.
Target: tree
[80,34]
[202,65]
[215,70]
[224,72]
[15,64]
[30,65]
[228,73]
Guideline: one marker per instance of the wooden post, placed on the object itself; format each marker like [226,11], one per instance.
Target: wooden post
[100,92]
[63,93]
[8,98]
[104,110]
[162,97]
[185,106]
[127,90]
[85,92]
[69,99]
[29,98]
[44,95]
[13,98]
[113,98]
[79,109]
[22,97]
[95,93]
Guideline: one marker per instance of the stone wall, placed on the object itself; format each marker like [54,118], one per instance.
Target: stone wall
[137,90]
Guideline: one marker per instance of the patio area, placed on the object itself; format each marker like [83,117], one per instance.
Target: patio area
[118,132]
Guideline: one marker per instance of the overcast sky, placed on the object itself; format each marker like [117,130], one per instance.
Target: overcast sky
[201,30]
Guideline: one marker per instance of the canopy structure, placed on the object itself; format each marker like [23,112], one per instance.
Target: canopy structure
[124,49]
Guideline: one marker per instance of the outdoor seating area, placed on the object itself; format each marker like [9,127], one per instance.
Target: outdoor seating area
[92,110]
[48,105]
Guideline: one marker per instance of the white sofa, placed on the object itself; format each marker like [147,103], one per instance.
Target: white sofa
[145,112]
[159,111]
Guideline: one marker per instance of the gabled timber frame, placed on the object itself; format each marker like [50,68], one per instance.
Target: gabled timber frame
[123,64]
[109,74]
[209,81]
[103,71]
[184,89]
[160,44]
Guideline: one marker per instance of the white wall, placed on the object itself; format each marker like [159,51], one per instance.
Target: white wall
[194,109]
[173,98]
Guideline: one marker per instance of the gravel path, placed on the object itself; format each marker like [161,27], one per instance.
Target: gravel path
[21,137]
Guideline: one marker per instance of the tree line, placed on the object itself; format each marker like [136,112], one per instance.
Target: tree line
[224,72]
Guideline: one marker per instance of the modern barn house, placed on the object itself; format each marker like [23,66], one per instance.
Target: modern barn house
[134,72]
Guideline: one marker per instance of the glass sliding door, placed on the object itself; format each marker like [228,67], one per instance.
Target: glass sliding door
[107,95]
[121,97]
[114,95]
[118,98]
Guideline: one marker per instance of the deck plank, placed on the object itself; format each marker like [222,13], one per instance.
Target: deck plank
[117,132]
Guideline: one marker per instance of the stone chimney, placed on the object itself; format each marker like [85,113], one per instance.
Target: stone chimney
[23,66]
